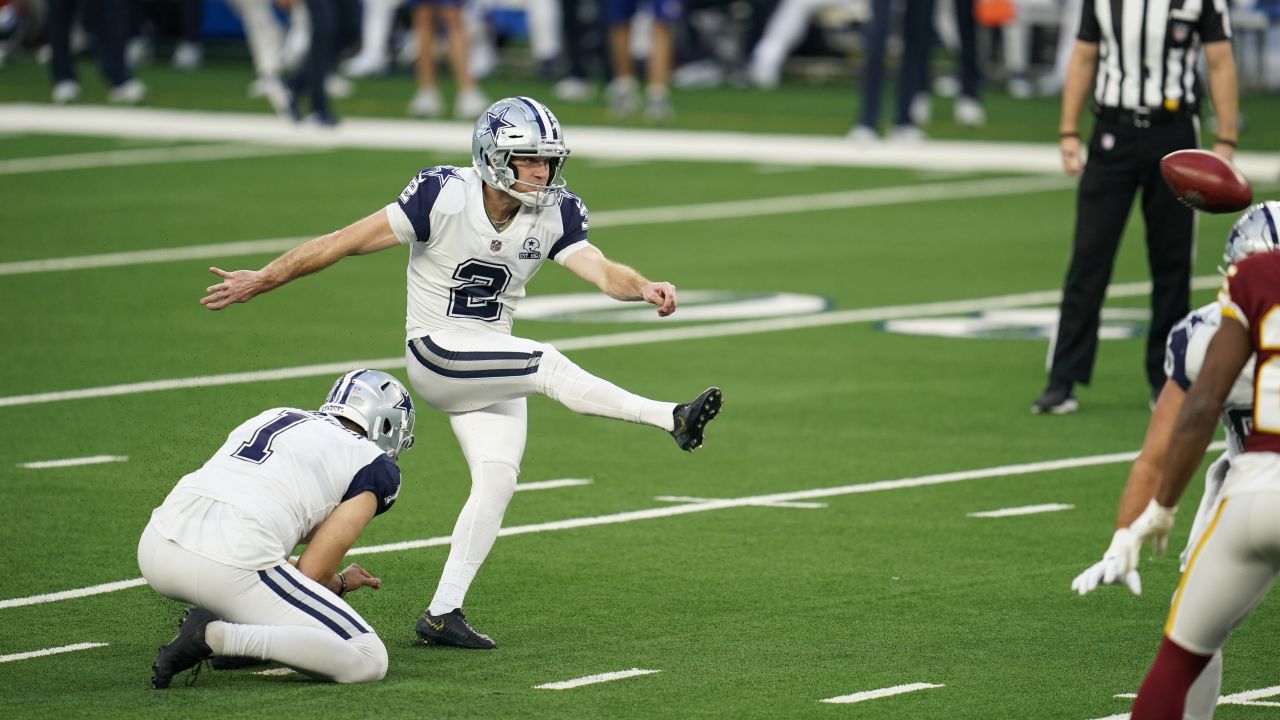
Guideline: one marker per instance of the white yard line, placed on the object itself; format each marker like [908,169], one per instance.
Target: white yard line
[142,156]
[881,693]
[51,651]
[1024,510]
[552,484]
[72,462]
[639,337]
[276,671]
[654,513]
[687,499]
[593,679]
[842,200]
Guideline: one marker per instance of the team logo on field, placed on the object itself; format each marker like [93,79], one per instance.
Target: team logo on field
[1016,324]
[531,251]
[495,246]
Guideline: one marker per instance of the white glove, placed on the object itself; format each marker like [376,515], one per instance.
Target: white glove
[1107,570]
[1153,524]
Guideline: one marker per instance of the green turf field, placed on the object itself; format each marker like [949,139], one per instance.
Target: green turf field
[747,611]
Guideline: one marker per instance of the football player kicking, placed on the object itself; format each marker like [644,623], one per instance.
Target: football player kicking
[1254,232]
[476,236]
[222,538]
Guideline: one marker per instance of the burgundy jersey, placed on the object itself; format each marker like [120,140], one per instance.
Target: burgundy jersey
[1252,296]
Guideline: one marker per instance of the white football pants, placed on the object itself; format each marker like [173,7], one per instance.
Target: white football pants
[1236,561]
[482,379]
[274,614]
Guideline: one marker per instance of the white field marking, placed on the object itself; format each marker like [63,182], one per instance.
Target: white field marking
[650,514]
[1250,697]
[1121,716]
[552,484]
[141,156]
[687,499]
[605,218]
[881,693]
[71,462]
[593,679]
[778,169]
[588,142]
[51,651]
[1024,510]
[276,671]
[638,337]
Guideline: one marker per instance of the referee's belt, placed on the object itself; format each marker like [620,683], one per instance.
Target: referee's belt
[1143,117]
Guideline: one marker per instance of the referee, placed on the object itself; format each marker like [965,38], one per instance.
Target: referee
[1141,57]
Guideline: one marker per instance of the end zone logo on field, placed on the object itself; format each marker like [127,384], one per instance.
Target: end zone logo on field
[1022,324]
[695,305]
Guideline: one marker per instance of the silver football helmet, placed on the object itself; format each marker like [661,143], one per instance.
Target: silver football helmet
[379,404]
[1255,232]
[519,126]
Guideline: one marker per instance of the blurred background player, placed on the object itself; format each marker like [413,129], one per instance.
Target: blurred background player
[429,16]
[108,21]
[1254,232]
[1237,558]
[624,90]
[222,538]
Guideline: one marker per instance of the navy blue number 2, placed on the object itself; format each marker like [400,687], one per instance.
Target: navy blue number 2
[258,448]
[476,297]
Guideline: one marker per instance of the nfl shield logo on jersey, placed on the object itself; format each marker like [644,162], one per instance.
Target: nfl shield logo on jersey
[531,251]
[495,245]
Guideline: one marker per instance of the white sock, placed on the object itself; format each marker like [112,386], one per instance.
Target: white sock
[492,485]
[1202,696]
[580,391]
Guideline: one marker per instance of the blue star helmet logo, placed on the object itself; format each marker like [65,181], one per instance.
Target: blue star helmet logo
[497,122]
[444,174]
[405,404]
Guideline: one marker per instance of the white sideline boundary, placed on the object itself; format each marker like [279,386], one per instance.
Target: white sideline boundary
[590,142]
[624,339]
[672,511]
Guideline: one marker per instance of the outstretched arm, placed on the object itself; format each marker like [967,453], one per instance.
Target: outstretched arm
[621,282]
[362,237]
[331,541]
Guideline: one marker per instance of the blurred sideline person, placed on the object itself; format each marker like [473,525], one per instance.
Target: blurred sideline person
[623,91]
[916,33]
[476,236]
[333,24]
[428,16]
[1254,232]
[108,20]
[1141,63]
[1236,560]
[222,538]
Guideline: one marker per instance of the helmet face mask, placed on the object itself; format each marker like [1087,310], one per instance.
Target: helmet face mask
[1257,230]
[519,127]
[379,404]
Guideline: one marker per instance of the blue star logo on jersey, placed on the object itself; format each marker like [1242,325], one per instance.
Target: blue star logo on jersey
[444,174]
[497,122]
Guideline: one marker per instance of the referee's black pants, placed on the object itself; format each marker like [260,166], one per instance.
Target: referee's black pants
[1124,159]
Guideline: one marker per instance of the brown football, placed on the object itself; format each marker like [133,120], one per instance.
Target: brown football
[1206,181]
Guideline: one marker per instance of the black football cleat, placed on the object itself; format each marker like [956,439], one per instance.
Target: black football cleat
[185,650]
[692,418]
[220,662]
[453,629]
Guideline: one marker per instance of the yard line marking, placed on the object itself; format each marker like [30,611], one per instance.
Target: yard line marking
[1024,510]
[143,156]
[51,651]
[276,671]
[71,462]
[72,594]
[840,200]
[652,513]
[552,484]
[687,499]
[593,679]
[1121,716]
[881,693]
[1250,697]
[638,337]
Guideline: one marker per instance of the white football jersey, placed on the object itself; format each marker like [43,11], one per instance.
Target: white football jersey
[1184,356]
[274,480]
[463,274]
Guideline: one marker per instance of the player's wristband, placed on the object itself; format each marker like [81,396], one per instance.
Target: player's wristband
[342,581]
[1224,141]
[1071,134]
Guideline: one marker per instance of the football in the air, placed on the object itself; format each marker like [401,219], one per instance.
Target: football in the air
[1206,181]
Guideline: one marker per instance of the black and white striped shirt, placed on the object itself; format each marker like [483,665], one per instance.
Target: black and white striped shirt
[1148,50]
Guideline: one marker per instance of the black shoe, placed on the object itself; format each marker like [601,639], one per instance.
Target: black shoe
[451,628]
[185,650]
[692,418]
[1056,400]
